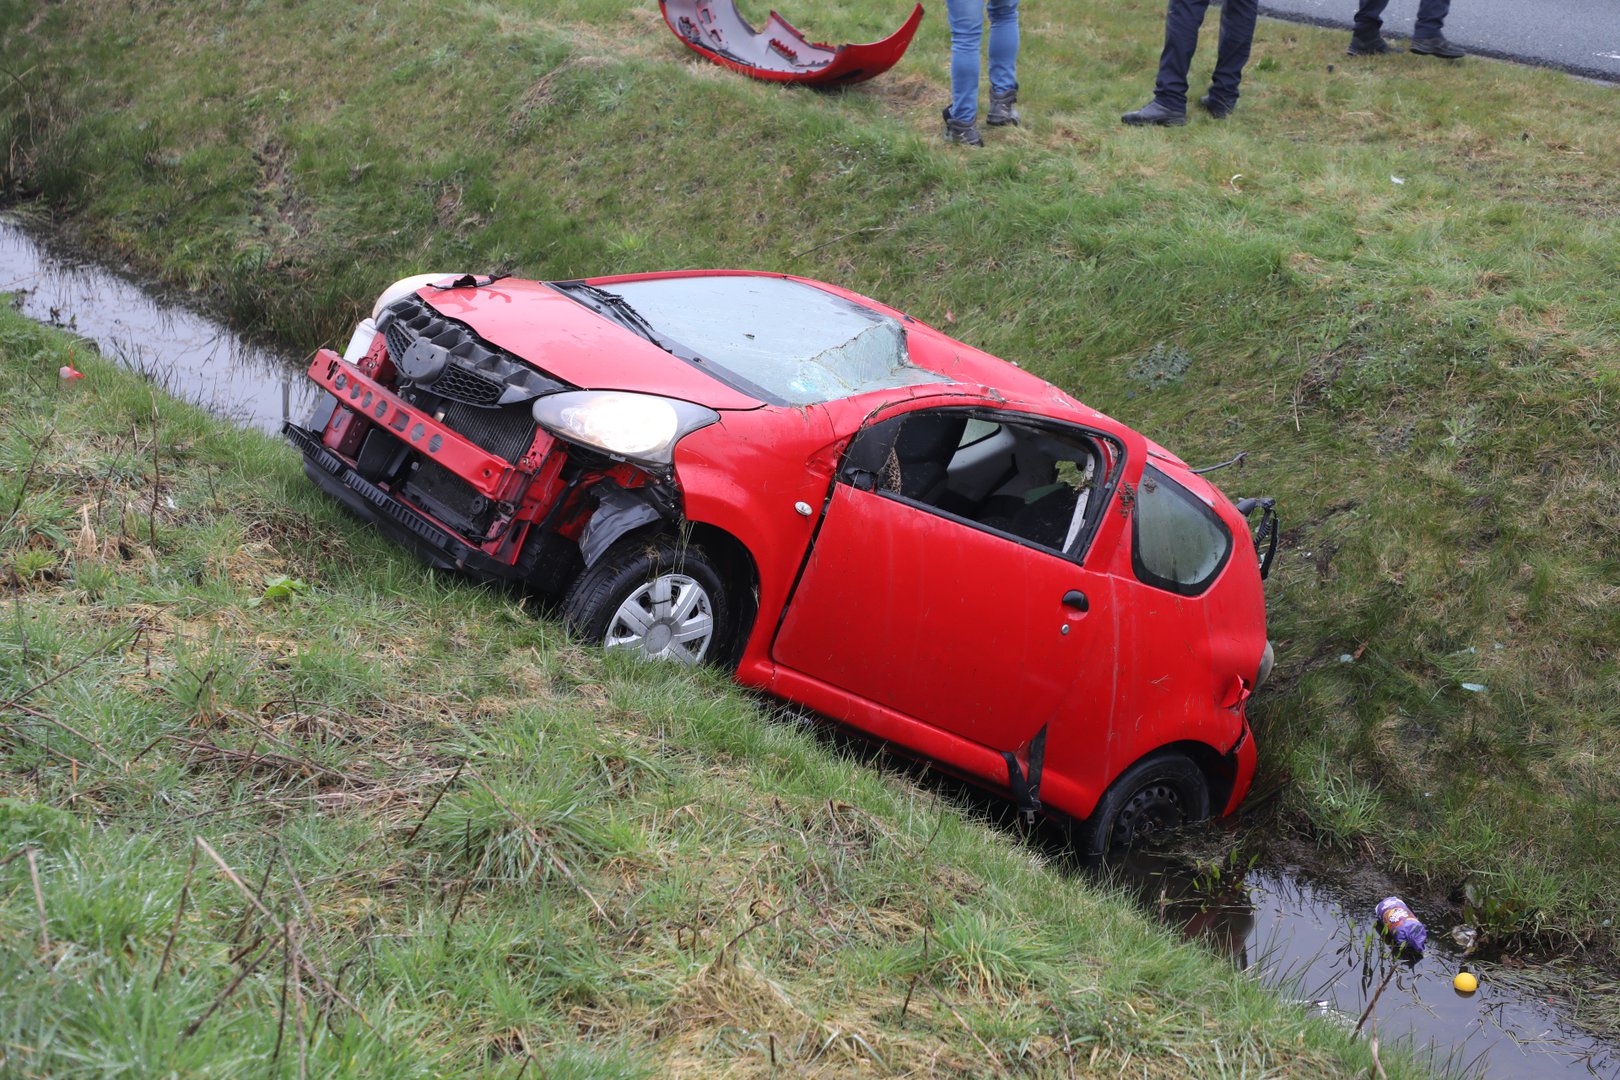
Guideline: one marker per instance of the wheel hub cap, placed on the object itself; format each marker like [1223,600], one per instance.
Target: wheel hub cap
[669,618]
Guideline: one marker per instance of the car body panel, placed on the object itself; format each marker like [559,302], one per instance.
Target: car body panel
[778,52]
[934,618]
[788,459]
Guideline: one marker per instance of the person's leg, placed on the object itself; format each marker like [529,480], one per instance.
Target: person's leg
[1237,35]
[1370,18]
[1003,46]
[1003,62]
[967,30]
[1430,17]
[1181,25]
[1427,40]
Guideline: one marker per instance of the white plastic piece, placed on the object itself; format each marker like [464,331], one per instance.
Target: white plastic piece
[360,341]
[404,287]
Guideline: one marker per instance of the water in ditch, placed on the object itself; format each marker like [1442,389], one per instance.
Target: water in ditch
[187,354]
[1307,936]
[1312,937]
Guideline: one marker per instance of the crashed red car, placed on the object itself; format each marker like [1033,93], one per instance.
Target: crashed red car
[842,505]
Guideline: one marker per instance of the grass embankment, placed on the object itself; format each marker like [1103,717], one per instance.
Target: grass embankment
[1392,281]
[274,799]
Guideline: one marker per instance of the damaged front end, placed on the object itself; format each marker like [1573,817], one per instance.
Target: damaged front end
[478,461]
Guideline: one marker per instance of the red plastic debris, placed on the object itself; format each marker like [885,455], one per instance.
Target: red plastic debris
[69,373]
[779,53]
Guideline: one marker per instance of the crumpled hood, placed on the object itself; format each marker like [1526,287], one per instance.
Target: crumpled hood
[540,325]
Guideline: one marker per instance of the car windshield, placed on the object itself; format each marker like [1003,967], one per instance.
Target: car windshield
[782,340]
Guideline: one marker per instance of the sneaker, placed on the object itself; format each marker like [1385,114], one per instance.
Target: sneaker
[967,134]
[1002,112]
[1218,110]
[1156,114]
[1369,46]
[1437,46]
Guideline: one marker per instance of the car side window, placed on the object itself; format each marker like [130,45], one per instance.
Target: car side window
[977,431]
[1036,484]
[1177,542]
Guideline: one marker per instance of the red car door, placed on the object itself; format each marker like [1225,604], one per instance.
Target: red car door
[932,601]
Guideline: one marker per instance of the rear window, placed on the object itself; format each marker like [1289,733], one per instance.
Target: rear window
[796,343]
[1178,543]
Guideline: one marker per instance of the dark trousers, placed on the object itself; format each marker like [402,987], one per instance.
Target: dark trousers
[1431,14]
[1181,38]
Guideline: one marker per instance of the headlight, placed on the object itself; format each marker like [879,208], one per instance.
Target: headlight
[1267,659]
[404,287]
[637,427]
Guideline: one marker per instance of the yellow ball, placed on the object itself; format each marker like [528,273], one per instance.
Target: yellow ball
[1465,982]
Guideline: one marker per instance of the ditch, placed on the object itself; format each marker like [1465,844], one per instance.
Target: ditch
[1300,925]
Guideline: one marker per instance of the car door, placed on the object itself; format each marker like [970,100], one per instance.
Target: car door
[947,579]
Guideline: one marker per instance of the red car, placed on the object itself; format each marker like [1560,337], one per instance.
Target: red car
[842,505]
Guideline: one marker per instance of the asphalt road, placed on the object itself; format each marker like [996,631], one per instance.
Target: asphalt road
[1579,36]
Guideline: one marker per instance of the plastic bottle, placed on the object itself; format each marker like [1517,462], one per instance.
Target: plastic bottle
[1400,925]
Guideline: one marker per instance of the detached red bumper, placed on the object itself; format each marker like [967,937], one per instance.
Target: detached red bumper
[779,53]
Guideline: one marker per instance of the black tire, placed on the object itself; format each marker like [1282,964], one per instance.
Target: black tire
[1155,795]
[602,605]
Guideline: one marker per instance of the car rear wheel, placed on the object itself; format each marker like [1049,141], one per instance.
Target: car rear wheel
[655,598]
[1153,796]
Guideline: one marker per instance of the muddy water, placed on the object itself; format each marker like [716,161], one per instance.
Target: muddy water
[190,356]
[1315,942]
[1309,939]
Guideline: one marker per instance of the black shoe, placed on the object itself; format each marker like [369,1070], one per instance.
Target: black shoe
[1437,46]
[1218,110]
[1154,113]
[1002,112]
[955,131]
[1369,46]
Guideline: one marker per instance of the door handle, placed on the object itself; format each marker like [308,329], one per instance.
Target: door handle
[1076,599]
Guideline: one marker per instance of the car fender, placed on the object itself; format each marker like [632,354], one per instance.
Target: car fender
[761,477]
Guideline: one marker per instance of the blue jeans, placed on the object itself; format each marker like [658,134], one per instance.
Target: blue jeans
[967,29]
[1181,25]
[1431,13]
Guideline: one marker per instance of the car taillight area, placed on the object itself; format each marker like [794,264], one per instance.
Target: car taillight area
[431,435]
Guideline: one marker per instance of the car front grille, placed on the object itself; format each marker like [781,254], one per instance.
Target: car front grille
[469,386]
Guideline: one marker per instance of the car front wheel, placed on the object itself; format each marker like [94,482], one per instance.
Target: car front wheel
[655,598]
[1155,795]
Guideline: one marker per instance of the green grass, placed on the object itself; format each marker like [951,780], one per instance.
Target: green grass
[1392,281]
[390,824]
